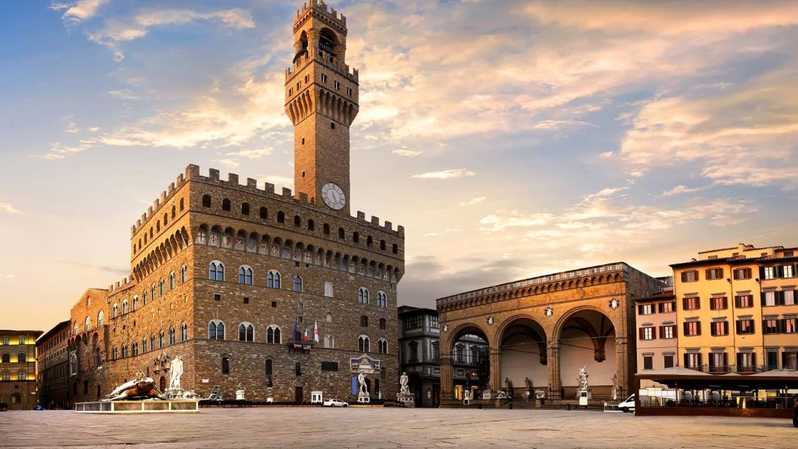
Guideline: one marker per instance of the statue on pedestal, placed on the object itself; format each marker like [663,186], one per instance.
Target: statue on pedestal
[405,397]
[583,390]
[363,394]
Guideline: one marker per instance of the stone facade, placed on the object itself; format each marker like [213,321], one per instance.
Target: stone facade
[52,356]
[301,288]
[18,368]
[540,331]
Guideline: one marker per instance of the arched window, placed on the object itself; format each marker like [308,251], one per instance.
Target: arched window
[226,205]
[382,299]
[225,364]
[459,353]
[269,373]
[183,274]
[297,287]
[125,307]
[382,345]
[356,237]
[329,341]
[363,343]
[152,342]
[165,220]
[369,241]
[161,289]
[281,217]
[297,221]
[87,324]
[382,245]
[273,335]
[182,204]
[206,200]
[244,208]
[264,213]
[172,279]
[298,369]
[135,303]
[326,229]
[160,340]
[364,321]
[216,271]
[383,323]
[363,295]
[245,275]
[273,279]
[114,311]
[172,335]
[328,318]
[216,330]
[341,234]
[311,225]
[246,332]
[183,332]
[100,319]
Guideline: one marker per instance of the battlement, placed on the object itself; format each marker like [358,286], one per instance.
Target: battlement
[320,10]
[313,54]
[192,173]
[123,284]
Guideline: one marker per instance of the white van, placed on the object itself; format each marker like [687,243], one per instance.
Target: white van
[628,405]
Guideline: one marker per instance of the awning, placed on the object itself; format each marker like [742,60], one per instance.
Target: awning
[692,379]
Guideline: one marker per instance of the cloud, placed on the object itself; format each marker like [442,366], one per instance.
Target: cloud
[229,163]
[277,180]
[676,19]
[681,189]
[117,31]
[445,174]
[473,201]
[746,136]
[9,208]
[78,11]
[123,94]
[252,154]
[512,219]
[60,151]
[407,153]
[606,155]
[7,276]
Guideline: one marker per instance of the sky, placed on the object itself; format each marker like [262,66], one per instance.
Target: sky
[510,138]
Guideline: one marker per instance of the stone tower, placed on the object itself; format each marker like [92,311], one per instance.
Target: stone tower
[321,98]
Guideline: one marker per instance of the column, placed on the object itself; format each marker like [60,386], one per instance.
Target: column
[495,370]
[447,392]
[622,367]
[555,384]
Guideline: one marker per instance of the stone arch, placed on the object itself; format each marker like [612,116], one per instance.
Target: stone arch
[523,352]
[586,336]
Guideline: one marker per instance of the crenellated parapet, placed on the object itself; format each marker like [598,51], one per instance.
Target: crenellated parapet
[267,191]
[319,10]
[313,55]
[122,285]
[159,202]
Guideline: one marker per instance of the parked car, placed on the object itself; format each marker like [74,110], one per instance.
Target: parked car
[628,405]
[334,403]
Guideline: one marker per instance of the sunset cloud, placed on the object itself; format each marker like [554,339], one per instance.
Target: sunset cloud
[446,174]
[8,208]
[79,10]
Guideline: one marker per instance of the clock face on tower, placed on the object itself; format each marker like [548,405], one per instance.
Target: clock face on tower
[333,196]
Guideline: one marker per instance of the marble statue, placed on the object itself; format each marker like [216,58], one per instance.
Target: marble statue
[363,394]
[582,379]
[175,373]
[403,382]
[615,387]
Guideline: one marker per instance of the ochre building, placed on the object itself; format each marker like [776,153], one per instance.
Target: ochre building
[540,331]
[281,294]
[18,369]
[737,309]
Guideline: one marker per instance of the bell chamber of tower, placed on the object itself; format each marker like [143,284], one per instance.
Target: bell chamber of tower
[321,99]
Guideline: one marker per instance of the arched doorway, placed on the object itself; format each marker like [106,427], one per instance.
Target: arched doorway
[523,356]
[470,362]
[587,339]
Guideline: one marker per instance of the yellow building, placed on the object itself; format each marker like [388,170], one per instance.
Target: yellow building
[736,309]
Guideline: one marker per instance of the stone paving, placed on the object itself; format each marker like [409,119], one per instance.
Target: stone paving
[285,427]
